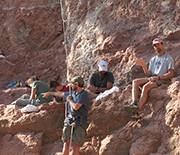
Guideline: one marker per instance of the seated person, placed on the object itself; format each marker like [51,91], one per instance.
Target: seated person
[160,71]
[37,87]
[101,80]
[56,87]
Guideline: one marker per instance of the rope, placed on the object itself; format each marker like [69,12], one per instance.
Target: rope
[65,47]
[65,35]
[72,124]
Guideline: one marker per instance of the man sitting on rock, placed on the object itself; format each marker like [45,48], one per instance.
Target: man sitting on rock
[160,71]
[102,80]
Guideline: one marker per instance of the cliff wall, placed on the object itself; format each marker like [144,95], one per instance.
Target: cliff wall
[33,39]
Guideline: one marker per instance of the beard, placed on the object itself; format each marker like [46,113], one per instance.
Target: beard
[74,88]
[158,50]
[102,74]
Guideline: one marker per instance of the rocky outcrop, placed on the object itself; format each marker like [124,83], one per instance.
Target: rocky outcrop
[32,39]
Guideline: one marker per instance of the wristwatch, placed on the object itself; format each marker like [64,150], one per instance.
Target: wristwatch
[97,88]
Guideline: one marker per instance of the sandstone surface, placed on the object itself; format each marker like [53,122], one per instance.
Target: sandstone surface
[33,40]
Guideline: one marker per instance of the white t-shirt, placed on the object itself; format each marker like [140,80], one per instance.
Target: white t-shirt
[160,65]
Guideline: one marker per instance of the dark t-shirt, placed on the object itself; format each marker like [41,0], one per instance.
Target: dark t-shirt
[101,82]
[81,98]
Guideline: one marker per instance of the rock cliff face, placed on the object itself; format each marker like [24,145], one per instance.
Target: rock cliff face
[34,42]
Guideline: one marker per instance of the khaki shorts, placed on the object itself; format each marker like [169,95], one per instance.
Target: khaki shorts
[79,133]
[160,82]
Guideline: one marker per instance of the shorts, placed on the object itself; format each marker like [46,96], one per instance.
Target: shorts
[78,136]
[160,82]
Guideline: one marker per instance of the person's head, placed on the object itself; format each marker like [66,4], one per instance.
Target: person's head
[77,82]
[158,45]
[56,85]
[32,79]
[103,65]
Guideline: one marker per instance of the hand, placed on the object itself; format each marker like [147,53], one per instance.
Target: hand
[140,62]
[92,88]
[45,95]
[69,98]
[154,78]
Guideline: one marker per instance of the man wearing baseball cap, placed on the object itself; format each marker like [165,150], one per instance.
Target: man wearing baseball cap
[77,108]
[160,71]
[101,80]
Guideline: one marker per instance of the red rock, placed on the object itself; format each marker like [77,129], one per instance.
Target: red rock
[119,32]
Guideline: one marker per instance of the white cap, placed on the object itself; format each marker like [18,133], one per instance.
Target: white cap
[157,40]
[103,66]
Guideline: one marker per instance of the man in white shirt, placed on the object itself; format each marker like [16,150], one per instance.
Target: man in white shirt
[160,71]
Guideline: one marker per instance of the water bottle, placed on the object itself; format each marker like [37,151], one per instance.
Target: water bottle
[13,84]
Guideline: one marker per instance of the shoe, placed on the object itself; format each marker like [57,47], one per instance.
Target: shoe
[132,108]
[133,116]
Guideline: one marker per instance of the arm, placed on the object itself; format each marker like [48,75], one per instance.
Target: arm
[58,94]
[108,86]
[142,63]
[75,106]
[91,88]
[168,75]
[33,93]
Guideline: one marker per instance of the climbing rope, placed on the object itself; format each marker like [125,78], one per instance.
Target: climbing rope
[65,35]
[65,47]
[72,124]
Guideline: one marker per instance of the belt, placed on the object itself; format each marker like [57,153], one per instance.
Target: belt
[82,117]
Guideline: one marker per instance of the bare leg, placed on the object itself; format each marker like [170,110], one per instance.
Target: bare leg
[66,147]
[144,93]
[135,87]
[75,149]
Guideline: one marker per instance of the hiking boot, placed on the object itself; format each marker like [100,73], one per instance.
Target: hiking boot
[133,116]
[132,108]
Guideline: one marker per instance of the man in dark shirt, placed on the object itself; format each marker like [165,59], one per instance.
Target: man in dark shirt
[101,80]
[77,108]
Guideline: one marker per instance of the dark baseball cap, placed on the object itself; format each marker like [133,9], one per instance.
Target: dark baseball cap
[77,79]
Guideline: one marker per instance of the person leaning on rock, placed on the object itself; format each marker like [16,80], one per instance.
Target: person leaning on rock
[78,105]
[101,80]
[37,87]
[160,71]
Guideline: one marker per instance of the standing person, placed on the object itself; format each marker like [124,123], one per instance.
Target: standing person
[37,87]
[160,71]
[101,80]
[77,103]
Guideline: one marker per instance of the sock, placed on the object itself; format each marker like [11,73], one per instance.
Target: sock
[135,103]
